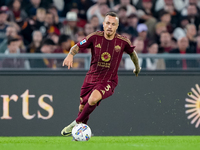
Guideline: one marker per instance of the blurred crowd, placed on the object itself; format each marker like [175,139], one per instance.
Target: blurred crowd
[54,26]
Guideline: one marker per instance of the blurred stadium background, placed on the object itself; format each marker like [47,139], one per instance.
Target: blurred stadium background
[38,94]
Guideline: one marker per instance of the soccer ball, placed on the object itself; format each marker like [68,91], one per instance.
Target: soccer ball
[81,132]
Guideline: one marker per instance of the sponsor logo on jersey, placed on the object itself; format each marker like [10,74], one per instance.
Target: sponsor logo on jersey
[104,64]
[98,45]
[105,56]
[117,48]
[193,108]
[82,42]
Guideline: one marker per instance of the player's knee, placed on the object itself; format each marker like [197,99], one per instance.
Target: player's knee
[81,108]
[92,101]
[94,97]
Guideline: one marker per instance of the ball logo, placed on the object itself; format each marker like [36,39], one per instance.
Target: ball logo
[87,137]
[105,56]
[193,106]
[81,129]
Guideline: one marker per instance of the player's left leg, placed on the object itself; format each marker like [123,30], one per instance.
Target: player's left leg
[94,98]
[101,91]
[80,110]
[84,115]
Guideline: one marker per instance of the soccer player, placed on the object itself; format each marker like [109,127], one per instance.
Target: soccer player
[107,48]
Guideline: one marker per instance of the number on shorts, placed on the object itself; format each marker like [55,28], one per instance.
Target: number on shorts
[107,87]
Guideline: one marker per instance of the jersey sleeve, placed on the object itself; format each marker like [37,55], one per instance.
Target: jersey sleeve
[129,48]
[86,42]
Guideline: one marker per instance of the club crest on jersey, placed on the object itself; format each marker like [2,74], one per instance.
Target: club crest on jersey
[117,48]
[82,42]
[105,56]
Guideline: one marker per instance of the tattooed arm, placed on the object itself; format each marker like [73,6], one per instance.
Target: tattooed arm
[134,58]
[74,50]
[68,61]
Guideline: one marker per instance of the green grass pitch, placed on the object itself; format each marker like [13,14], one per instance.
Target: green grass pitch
[102,143]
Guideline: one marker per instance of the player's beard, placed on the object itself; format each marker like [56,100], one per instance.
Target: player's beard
[109,34]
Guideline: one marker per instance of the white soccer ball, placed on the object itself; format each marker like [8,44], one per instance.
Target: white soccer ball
[81,132]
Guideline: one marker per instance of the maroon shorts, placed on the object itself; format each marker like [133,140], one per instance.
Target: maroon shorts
[106,89]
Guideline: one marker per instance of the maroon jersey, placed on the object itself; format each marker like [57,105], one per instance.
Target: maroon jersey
[106,56]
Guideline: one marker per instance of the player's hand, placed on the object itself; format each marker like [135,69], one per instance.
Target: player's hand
[68,61]
[137,71]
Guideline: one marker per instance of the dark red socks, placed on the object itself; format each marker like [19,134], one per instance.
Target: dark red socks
[84,115]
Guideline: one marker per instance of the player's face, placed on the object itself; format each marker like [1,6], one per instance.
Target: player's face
[110,25]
